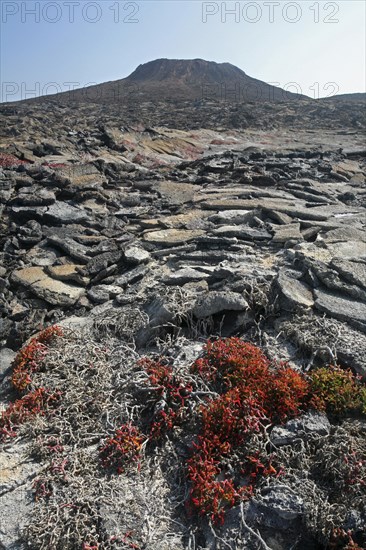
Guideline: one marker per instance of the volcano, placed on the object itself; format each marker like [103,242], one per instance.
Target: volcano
[180,80]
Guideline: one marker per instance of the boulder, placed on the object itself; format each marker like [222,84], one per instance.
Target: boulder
[218,301]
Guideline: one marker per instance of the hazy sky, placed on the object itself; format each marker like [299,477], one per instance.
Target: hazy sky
[317,48]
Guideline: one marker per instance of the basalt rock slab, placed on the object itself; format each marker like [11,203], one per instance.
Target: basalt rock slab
[172,237]
[242,232]
[292,293]
[353,272]
[61,213]
[288,232]
[185,275]
[344,309]
[174,193]
[52,291]
[67,272]
[300,428]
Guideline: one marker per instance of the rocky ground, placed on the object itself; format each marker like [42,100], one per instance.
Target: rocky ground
[152,239]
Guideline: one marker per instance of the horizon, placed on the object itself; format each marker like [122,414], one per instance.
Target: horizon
[298,46]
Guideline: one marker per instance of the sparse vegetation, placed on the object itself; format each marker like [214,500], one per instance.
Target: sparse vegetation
[111,420]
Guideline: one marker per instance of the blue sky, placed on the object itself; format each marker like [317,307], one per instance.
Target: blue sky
[315,47]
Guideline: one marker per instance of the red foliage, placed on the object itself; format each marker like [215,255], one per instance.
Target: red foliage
[10,161]
[122,449]
[232,362]
[53,165]
[254,395]
[42,488]
[23,409]
[172,394]
[29,357]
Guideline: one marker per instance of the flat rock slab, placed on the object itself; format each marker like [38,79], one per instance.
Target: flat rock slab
[344,309]
[348,250]
[172,237]
[64,213]
[234,217]
[67,272]
[299,428]
[75,250]
[175,193]
[242,232]
[185,275]
[34,196]
[292,293]
[216,302]
[102,261]
[287,207]
[345,233]
[82,175]
[353,272]
[48,289]
[284,233]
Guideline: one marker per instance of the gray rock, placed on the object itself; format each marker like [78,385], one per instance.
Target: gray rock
[42,255]
[80,176]
[131,276]
[64,213]
[30,233]
[103,293]
[175,193]
[348,250]
[183,276]
[159,314]
[344,234]
[352,311]
[300,428]
[281,501]
[34,196]
[353,272]
[6,358]
[172,236]
[208,241]
[217,302]
[287,232]
[242,232]
[292,293]
[16,509]
[23,213]
[136,255]
[52,291]
[16,500]
[102,261]
[235,217]
[74,249]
